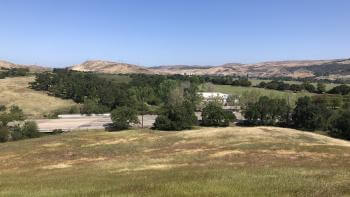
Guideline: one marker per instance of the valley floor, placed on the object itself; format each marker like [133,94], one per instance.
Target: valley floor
[233,161]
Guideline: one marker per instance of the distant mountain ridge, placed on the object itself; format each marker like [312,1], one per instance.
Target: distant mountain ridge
[338,68]
[34,68]
[109,67]
[327,69]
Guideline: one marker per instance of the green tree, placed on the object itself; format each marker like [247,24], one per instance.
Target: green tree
[310,115]
[309,87]
[251,113]
[176,117]
[123,117]
[165,88]
[16,113]
[321,88]
[268,111]
[214,115]
[340,127]
[91,106]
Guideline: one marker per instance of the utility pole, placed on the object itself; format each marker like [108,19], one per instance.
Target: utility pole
[143,111]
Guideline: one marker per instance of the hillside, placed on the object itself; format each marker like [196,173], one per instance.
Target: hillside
[6,64]
[297,69]
[32,68]
[258,161]
[34,103]
[109,67]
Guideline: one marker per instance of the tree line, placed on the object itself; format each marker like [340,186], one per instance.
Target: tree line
[13,72]
[327,113]
[175,98]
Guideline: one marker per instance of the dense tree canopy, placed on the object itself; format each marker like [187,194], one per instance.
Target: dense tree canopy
[310,115]
[176,117]
[341,125]
[214,115]
[13,72]
[267,111]
[341,89]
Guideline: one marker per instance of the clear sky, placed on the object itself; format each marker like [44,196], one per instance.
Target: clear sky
[154,32]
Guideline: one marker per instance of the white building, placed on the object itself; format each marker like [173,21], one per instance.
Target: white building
[210,96]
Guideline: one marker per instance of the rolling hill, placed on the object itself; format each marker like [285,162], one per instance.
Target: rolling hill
[109,67]
[32,68]
[327,69]
[339,68]
[233,161]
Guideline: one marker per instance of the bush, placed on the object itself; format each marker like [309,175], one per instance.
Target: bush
[30,129]
[16,113]
[214,115]
[176,117]
[122,117]
[4,134]
[17,133]
[57,131]
[163,123]
[74,110]
[2,107]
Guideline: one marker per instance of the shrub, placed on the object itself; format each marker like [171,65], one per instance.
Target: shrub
[122,117]
[163,123]
[16,113]
[17,133]
[176,117]
[2,107]
[30,129]
[57,131]
[74,110]
[4,134]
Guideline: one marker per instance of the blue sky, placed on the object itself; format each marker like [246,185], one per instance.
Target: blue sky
[154,32]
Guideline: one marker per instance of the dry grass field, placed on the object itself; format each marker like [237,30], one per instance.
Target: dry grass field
[34,104]
[233,161]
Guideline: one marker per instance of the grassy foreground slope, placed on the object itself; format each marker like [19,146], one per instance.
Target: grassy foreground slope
[34,103]
[234,161]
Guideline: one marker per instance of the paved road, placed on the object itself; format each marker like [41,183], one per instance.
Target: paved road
[80,122]
[84,122]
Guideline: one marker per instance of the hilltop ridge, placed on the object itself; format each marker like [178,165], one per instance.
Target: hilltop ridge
[337,68]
